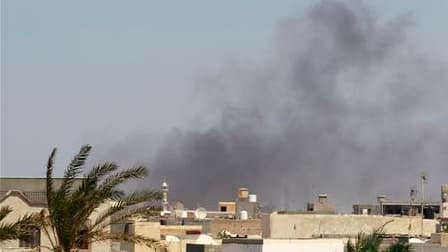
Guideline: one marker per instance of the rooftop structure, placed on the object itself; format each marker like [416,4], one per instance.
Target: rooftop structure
[322,205]
[387,207]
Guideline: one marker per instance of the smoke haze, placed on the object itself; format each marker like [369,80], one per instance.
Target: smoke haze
[344,104]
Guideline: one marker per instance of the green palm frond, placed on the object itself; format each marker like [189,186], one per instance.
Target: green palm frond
[136,239]
[14,230]
[109,185]
[400,247]
[367,242]
[74,169]
[4,211]
[141,196]
[126,207]
[72,206]
[8,232]
[50,189]
[351,247]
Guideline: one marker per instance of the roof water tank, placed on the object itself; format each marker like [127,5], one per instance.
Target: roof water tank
[252,198]
[172,238]
[243,215]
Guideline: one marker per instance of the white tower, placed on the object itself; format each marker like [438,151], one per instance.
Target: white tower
[444,210]
[164,196]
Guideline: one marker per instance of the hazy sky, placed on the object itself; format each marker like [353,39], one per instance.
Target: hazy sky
[76,72]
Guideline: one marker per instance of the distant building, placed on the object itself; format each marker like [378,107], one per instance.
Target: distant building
[287,225]
[322,205]
[227,207]
[383,206]
[25,196]
[246,204]
[28,195]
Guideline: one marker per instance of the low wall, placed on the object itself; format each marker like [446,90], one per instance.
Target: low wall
[251,227]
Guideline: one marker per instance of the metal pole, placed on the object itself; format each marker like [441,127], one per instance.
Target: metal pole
[423,181]
[423,202]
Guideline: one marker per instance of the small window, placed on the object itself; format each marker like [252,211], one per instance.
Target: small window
[223,209]
[193,232]
[31,238]
[83,242]
[126,229]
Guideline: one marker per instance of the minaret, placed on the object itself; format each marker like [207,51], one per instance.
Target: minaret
[444,207]
[165,196]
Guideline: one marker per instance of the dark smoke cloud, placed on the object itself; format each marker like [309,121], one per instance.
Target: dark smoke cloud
[345,104]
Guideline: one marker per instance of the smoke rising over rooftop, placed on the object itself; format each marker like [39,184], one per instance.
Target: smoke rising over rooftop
[344,104]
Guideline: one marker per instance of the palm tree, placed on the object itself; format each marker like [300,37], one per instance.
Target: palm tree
[67,222]
[399,247]
[366,242]
[13,230]
[371,242]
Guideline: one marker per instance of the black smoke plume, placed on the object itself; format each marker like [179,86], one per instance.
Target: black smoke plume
[344,104]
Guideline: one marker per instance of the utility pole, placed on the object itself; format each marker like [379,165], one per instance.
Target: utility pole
[410,211]
[423,178]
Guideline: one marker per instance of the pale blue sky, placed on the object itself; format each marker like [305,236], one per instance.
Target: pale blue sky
[76,72]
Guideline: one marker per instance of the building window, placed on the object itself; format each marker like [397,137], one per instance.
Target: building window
[223,209]
[31,238]
[83,241]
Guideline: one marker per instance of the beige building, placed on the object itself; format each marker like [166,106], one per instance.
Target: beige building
[227,207]
[27,195]
[302,226]
[322,205]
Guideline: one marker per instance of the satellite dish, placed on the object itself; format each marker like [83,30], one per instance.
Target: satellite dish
[200,213]
[178,206]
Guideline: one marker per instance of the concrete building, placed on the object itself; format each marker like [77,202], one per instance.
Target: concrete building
[321,206]
[28,195]
[25,196]
[383,206]
[227,207]
[247,205]
[306,226]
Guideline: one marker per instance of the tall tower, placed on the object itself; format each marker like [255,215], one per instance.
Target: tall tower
[444,207]
[164,196]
